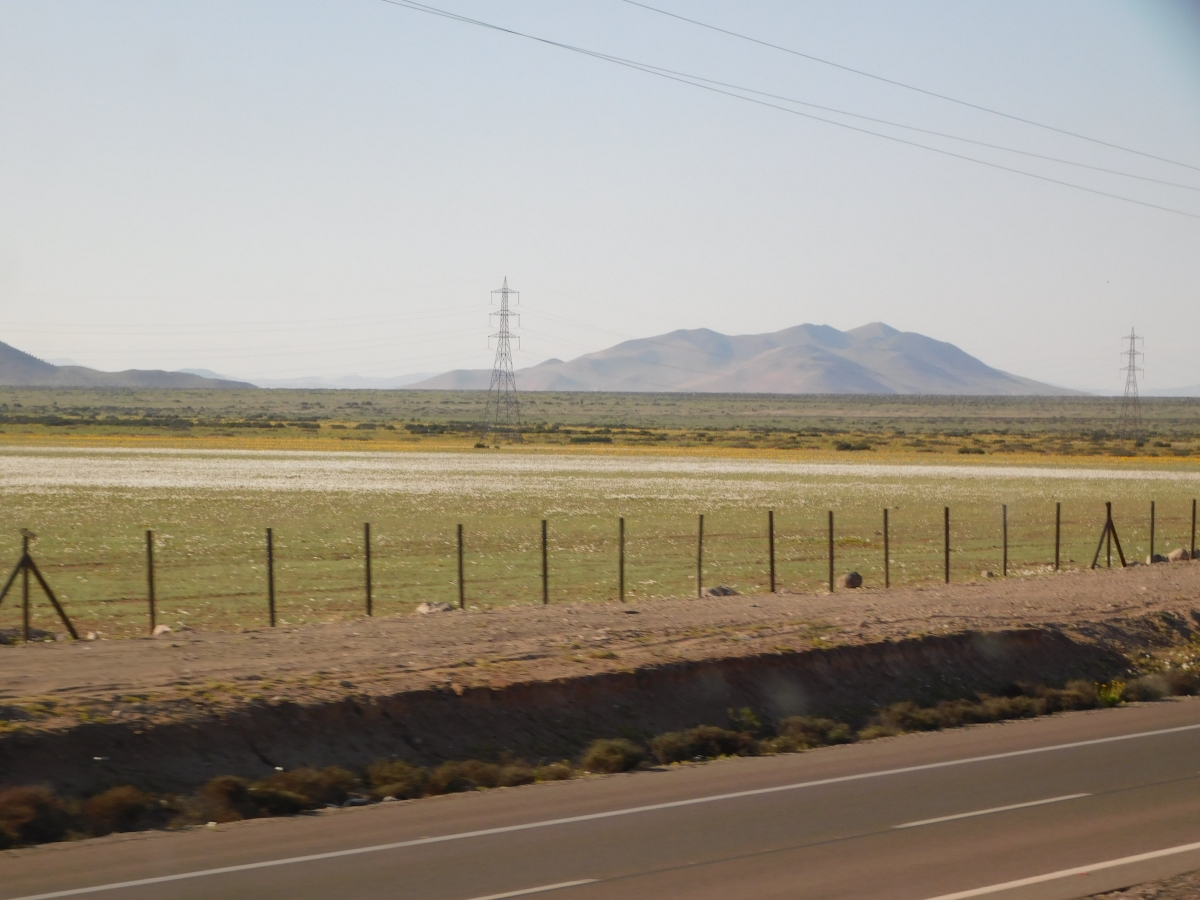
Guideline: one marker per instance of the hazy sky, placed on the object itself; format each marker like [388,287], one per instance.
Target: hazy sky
[277,189]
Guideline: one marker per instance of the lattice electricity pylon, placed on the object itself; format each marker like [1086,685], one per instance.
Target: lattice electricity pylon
[1131,406]
[503,413]
[25,565]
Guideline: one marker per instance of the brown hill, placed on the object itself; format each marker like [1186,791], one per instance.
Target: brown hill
[19,369]
[806,359]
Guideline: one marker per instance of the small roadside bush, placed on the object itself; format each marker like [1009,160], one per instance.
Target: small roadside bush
[396,778]
[806,732]
[1182,683]
[701,742]
[559,771]
[609,755]
[32,814]
[316,786]
[122,808]
[473,774]
[225,799]
[1148,687]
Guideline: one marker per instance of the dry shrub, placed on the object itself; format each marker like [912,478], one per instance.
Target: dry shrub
[317,787]
[396,778]
[32,814]
[278,802]
[608,755]
[701,742]
[559,771]
[1182,683]
[806,732]
[1018,702]
[1148,687]
[123,808]
[469,775]
[224,799]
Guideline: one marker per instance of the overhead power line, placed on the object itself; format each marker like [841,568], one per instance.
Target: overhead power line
[910,87]
[929,131]
[705,84]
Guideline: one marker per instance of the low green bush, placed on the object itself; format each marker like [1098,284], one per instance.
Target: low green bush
[609,755]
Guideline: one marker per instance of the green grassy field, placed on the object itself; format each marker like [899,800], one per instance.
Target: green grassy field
[209,511]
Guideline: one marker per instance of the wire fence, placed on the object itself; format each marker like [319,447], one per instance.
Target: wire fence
[227,580]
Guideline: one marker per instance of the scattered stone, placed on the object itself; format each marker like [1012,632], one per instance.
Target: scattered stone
[632,612]
[160,630]
[850,580]
[987,573]
[1179,554]
[1156,558]
[90,636]
[346,684]
[720,590]
[435,606]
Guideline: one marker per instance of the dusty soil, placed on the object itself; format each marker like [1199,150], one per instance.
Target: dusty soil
[1181,887]
[50,686]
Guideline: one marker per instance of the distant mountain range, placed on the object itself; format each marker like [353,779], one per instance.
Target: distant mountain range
[806,359]
[19,369]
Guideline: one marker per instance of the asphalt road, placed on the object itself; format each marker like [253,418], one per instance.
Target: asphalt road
[1072,805]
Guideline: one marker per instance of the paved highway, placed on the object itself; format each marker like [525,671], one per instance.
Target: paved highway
[1052,808]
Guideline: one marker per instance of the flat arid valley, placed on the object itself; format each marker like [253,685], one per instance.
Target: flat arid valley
[611,450]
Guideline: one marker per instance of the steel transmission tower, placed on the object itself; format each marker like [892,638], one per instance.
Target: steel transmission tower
[1131,407]
[503,409]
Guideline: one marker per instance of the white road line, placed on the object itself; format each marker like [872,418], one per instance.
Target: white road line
[537,890]
[1066,873]
[591,817]
[994,809]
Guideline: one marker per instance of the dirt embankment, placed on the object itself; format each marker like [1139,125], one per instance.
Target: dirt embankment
[170,713]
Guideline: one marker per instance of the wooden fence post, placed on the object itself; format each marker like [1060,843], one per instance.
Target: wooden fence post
[887,562]
[1004,528]
[700,558]
[150,576]
[946,531]
[545,568]
[1057,532]
[367,558]
[25,590]
[271,576]
[1193,529]
[1151,531]
[462,593]
[831,551]
[771,545]
[621,558]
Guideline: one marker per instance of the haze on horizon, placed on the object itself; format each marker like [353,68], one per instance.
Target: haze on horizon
[274,191]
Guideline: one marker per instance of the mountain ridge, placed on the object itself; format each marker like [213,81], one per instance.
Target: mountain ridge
[21,369]
[803,359]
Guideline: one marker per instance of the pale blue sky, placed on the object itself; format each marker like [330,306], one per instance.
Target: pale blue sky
[275,189]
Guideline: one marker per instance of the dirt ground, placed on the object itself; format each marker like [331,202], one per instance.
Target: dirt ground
[51,685]
[1181,887]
